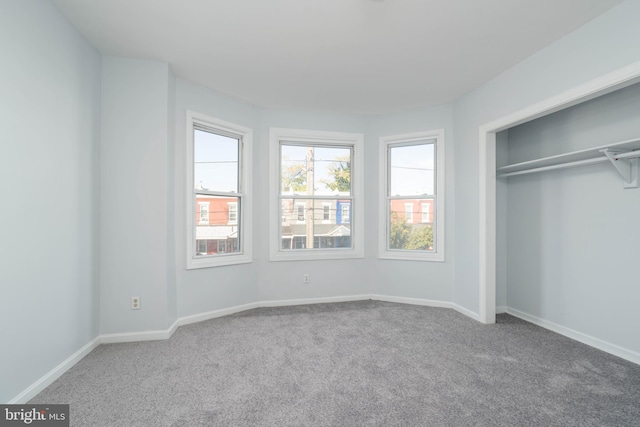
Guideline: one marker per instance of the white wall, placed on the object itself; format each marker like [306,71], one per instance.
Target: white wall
[49,132]
[410,279]
[605,44]
[573,234]
[208,289]
[172,287]
[134,190]
[284,280]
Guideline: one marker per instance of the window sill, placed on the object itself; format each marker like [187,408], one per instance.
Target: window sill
[412,256]
[315,255]
[217,261]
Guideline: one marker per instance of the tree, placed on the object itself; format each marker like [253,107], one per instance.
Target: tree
[421,238]
[295,177]
[405,236]
[340,172]
[399,232]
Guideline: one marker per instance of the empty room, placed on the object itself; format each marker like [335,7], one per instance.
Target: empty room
[320,212]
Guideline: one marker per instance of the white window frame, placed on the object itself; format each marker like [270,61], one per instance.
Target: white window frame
[439,198]
[245,136]
[278,136]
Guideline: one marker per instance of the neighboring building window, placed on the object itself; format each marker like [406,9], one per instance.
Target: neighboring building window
[315,171]
[426,215]
[412,168]
[299,242]
[204,213]
[344,213]
[218,175]
[408,212]
[233,213]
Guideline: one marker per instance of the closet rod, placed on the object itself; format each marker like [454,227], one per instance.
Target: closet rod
[559,166]
[627,155]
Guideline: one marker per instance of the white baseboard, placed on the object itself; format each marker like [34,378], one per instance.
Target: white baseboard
[466,312]
[159,334]
[429,303]
[412,301]
[55,373]
[319,300]
[187,320]
[605,346]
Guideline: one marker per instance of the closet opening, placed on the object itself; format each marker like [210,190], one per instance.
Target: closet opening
[493,154]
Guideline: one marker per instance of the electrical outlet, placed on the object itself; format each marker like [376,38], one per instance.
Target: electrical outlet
[306,278]
[135,303]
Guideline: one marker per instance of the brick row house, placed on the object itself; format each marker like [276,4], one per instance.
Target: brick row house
[216,225]
[328,220]
[413,211]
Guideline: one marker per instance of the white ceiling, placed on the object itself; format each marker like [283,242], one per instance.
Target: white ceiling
[358,56]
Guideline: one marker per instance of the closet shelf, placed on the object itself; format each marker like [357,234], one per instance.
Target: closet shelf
[623,155]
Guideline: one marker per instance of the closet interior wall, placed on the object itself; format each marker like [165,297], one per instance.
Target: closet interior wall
[568,240]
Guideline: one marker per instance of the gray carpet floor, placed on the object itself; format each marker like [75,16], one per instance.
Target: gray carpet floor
[365,363]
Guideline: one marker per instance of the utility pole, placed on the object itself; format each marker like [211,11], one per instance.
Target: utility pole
[309,204]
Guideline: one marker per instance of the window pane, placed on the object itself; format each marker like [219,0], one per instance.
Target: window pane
[412,170]
[215,162]
[315,223]
[220,232]
[410,224]
[328,167]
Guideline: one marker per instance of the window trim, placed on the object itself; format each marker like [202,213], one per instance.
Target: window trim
[245,221]
[303,136]
[438,199]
